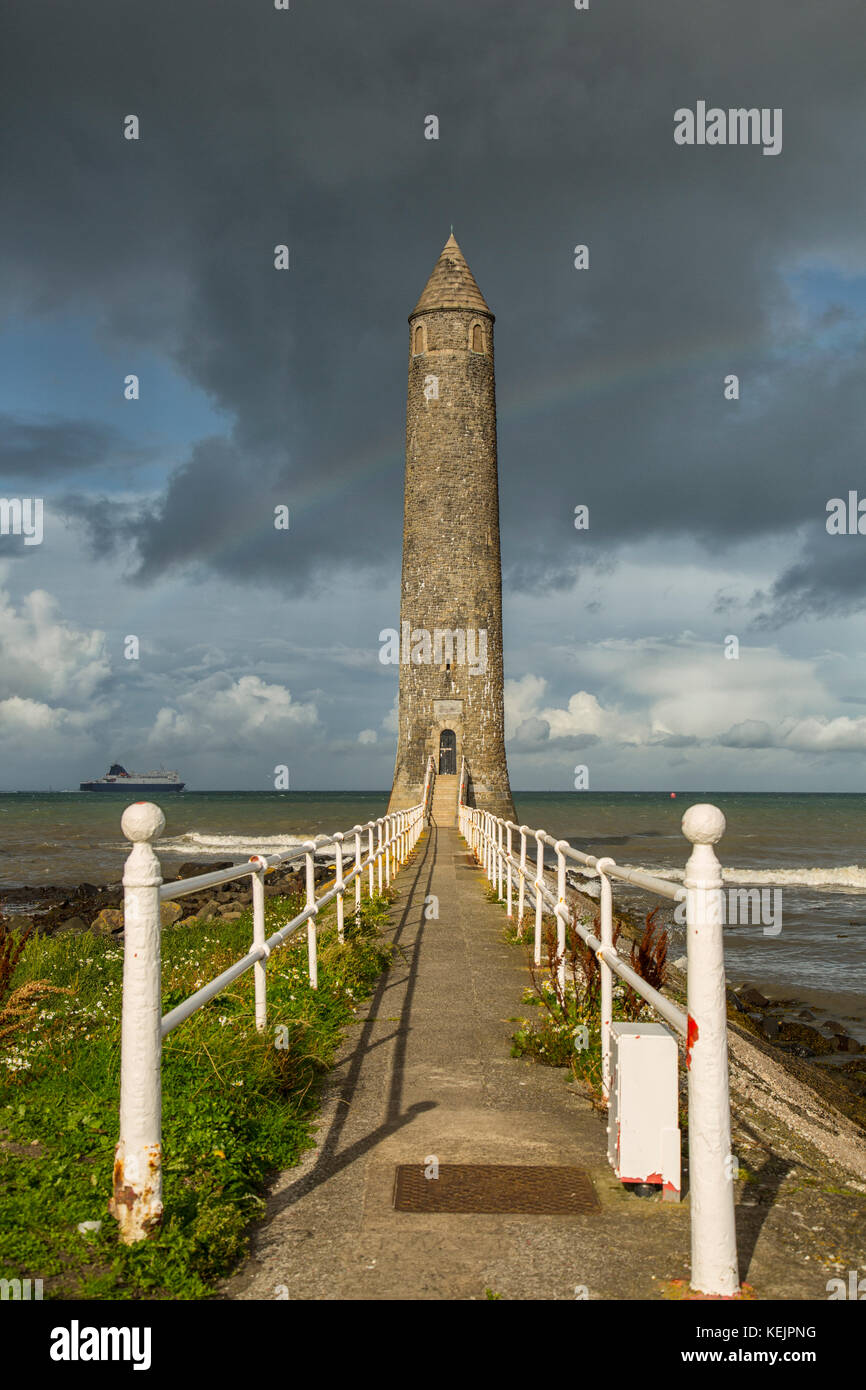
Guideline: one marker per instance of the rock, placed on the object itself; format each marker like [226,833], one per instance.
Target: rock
[770,1027]
[87,890]
[833,1027]
[231,915]
[169,913]
[806,1014]
[18,921]
[752,998]
[188,922]
[843,1042]
[75,924]
[797,1049]
[807,1037]
[109,920]
[191,869]
[209,911]
[733,1000]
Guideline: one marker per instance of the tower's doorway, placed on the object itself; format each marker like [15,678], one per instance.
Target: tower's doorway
[447,752]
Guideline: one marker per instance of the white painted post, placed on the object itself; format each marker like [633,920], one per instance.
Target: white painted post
[357,832]
[370,854]
[260,976]
[606,914]
[338,849]
[312,954]
[539,901]
[521,892]
[509,911]
[137,1201]
[379,852]
[711,1188]
[561,908]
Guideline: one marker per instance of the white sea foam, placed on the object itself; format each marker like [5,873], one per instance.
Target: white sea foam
[204,846]
[839,880]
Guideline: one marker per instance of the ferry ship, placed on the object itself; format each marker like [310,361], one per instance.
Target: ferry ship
[117,779]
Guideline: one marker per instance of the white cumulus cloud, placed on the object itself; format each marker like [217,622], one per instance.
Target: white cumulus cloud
[221,713]
[45,659]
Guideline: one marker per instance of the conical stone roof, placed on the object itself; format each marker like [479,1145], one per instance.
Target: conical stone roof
[452,284]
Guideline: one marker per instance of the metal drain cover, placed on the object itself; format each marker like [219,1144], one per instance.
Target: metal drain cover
[489,1187]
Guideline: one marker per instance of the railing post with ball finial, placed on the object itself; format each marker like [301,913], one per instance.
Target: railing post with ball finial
[137,1201]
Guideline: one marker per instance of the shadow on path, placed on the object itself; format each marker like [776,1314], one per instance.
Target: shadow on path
[328,1160]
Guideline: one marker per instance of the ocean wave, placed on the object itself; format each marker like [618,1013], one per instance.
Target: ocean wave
[201,846]
[840,879]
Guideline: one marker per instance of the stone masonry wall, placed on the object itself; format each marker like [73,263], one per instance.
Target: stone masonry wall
[451,564]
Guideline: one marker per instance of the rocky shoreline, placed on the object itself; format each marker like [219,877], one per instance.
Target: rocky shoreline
[86,907]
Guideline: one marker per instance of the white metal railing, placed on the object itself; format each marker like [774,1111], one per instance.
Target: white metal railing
[704,1026]
[378,848]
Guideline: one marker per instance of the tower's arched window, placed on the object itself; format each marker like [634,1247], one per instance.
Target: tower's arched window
[477,338]
[419,345]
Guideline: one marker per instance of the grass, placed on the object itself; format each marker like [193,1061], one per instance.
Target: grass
[237,1105]
[566,1030]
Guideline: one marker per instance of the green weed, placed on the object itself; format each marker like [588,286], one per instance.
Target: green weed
[237,1105]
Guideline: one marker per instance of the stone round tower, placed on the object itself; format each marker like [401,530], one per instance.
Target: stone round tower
[450,648]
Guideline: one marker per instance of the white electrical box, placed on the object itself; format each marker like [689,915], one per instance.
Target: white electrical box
[643,1123]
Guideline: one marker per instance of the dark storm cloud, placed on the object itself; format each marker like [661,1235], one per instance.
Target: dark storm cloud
[829,581]
[46,449]
[556,128]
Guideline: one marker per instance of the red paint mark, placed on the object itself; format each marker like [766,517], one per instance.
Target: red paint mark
[691,1039]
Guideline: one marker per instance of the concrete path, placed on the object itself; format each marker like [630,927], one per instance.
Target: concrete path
[427,1071]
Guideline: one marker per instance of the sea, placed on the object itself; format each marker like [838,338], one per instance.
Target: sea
[805,852]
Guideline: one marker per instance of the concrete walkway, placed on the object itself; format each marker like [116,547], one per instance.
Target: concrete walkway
[427,1071]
